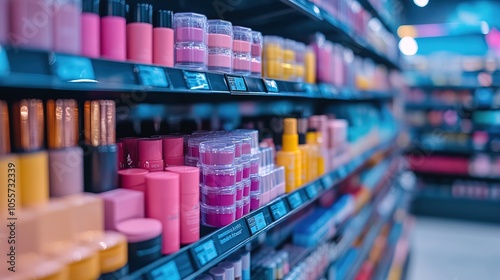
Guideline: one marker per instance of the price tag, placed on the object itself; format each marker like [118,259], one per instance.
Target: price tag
[312,190]
[4,62]
[152,76]
[166,271]
[327,181]
[342,171]
[196,80]
[231,235]
[256,222]
[205,252]
[73,68]
[271,85]
[278,210]
[236,83]
[295,200]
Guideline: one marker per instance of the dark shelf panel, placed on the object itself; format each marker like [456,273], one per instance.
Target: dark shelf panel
[52,75]
[458,176]
[441,106]
[190,261]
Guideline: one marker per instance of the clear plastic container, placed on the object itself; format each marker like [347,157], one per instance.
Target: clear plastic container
[246,205]
[266,159]
[242,50]
[191,40]
[239,209]
[246,188]
[246,167]
[237,146]
[220,46]
[257,44]
[255,201]
[272,57]
[279,179]
[246,142]
[217,216]
[255,183]
[254,164]
[225,196]
[216,176]
[217,152]
[254,135]
[239,190]
[239,171]
[193,146]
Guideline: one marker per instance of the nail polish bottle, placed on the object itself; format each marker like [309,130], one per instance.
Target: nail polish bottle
[67,26]
[140,34]
[100,151]
[33,170]
[9,165]
[163,38]
[113,30]
[65,156]
[32,24]
[91,29]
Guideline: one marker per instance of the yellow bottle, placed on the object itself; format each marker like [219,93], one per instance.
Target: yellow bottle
[290,156]
[311,140]
[310,65]
[321,154]
[289,61]
[305,150]
[272,57]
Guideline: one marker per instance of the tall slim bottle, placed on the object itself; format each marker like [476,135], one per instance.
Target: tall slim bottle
[290,156]
[305,150]
[311,140]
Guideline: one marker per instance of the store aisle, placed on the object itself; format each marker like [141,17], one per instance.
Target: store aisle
[454,250]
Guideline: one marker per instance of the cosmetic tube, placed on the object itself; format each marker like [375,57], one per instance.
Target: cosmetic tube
[90,29]
[228,268]
[32,24]
[33,169]
[150,152]
[163,38]
[100,151]
[218,273]
[311,140]
[113,30]
[65,157]
[140,34]
[9,166]
[189,202]
[305,150]
[173,151]
[237,263]
[290,156]
[162,203]
[133,179]
[67,26]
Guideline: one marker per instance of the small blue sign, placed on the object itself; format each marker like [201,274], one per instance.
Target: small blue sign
[256,222]
[196,80]
[236,83]
[70,68]
[152,76]
[166,271]
[271,85]
[278,210]
[205,252]
[295,200]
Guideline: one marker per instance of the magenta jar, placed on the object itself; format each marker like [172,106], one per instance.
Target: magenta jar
[246,205]
[218,196]
[242,50]
[255,201]
[220,46]
[246,142]
[190,36]
[217,216]
[246,187]
[191,161]
[239,171]
[246,168]
[239,190]
[217,152]
[254,164]
[255,185]
[239,209]
[212,176]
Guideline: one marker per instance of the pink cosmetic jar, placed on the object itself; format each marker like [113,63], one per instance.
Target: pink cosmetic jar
[213,216]
[256,54]
[218,196]
[217,176]
[220,46]
[217,152]
[242,50]
[190,34]
[246,205]
[239,209]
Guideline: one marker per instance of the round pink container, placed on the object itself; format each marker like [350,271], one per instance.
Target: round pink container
[242,46]
[239,171]
[219,60]
[239,190]
[255,184]
[255,201]
[219,40]
[189,34]
[218,177]
[256,50]
[195,54]
[239,209]
[242,63]
[246,205]
[218,196]
[246,142]
[217,152]
[237,146]
[217,216]
[133,179]
[256,67]
[193,146]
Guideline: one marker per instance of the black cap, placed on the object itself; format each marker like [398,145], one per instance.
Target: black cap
[90,6]
[113,8]
[163,18]
[141,12]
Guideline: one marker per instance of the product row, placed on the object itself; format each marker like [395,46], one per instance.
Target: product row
[469,99]
[480,165]
[460,188]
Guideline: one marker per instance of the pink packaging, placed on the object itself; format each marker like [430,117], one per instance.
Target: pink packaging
[256,67]
[193,146]
[91,34]
[67,26]
[246,142]
[218,196]
[191,161]
[140,42]
[239,209]
[239,171]
[113,31]
[220,60]
[163,38]
[217,216]
[190,27]
[218,177]
[254,164]
[237,146]
[255,201]
[246,187]
[32,24]
[217,152]
[239,190]
[255,185]
[121,205]
[242,48]
[220,41]
[133,179]
[242,63]
[246,205]
[246,168]
[189,34]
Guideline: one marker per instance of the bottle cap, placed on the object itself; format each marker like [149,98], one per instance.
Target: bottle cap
[90,6]
[113,8]
[141,12]
[163,18]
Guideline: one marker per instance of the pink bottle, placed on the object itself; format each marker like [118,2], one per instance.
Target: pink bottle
[91,29]
[31,24]
[113,30]
[162,203]
[4,21]
[163,39]
[140,34]
[67,29]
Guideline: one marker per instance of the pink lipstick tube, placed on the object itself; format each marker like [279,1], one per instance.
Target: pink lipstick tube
[150,153]
[67,26]
[133,179]
[32,24]
[113,30]
[90,29]
[218,196]
[217,216]
[163,38]
[173,150]
[218,152]
[218,177]
[140,34]
[162,203]
[190,202]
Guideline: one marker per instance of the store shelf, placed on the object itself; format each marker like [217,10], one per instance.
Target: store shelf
[452,87]
[459,176]
[195,258]
[369,7]
[97,78]
[442,106]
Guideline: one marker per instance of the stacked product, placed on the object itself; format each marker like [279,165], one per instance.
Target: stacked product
[236,267]
[191,39]
[269,183]
[272,56]
[257,43]
[242,48]
[220,46]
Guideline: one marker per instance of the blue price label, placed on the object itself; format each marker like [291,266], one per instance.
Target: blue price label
[256,222]
[312,191]
[4,62]
[196,80]
[271,85]
[205,252]
[152,76]
[236,83]
[166,271]
[295,200]
[327,181]
[278,210]
[73,68]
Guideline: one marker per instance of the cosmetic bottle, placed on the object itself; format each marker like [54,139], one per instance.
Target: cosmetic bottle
[228,268]
[289,60]
[140,34]
[162,204]
[163,38]
[28,119]
[290,156]
[310,66]
[311,140]
[4,22]
[300,56]
[8,164]
[218,273]
[242,50]
[32,24]
[191,38]
[65,156]
[173,150]
[67,26]
[90,29]
[237,263]
[305,150]
[220,46]
[257,44]
[113,30]
[150,152]
[100,152]
[272,56]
